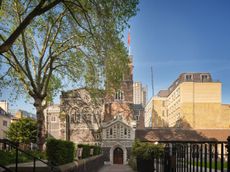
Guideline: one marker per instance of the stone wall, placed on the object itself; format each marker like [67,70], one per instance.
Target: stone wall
[92,164]
[106,153]
[128,153]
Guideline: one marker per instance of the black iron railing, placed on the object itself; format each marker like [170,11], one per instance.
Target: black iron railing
[13,145]
[193,156]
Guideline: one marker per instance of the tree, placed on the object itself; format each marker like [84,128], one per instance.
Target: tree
[32,9]
[23,131]
[77,42]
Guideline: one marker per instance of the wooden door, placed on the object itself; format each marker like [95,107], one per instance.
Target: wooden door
[118,156]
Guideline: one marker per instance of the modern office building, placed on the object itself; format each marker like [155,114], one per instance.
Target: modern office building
[192,101]
[4,105]
[139,94]
[5,120]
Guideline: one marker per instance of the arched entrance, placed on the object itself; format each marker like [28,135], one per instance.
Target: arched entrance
[118,156]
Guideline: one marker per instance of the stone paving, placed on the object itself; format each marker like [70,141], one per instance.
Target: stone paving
[116,168]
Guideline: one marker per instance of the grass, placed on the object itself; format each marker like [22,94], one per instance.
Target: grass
[213,164]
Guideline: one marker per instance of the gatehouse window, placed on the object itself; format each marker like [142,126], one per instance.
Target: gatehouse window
[111,131]
[129,133]
[125,131]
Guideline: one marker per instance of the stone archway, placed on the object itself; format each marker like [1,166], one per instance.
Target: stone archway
[119,149]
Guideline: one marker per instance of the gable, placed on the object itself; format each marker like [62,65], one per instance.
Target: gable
[118,130]
[115,122]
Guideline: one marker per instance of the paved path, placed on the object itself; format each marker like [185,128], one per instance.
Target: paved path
[116,168]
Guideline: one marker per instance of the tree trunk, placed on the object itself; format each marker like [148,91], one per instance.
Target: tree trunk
[41,133]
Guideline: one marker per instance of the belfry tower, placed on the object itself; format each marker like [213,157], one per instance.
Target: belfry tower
[121,102]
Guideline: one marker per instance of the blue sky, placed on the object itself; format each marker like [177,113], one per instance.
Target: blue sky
[176,36]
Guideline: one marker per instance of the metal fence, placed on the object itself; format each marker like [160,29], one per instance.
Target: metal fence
[15,146]
[193,156]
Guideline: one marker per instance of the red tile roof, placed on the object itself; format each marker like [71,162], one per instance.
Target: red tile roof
[178,134]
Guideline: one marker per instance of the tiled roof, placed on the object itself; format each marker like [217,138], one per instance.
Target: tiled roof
[172,134]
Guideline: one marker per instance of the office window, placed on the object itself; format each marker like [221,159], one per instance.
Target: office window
[204,77]
[188,77]
[4,123]
[53,118]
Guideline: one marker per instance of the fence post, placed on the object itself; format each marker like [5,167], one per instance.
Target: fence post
[228,149]
[174,151]
[167,158]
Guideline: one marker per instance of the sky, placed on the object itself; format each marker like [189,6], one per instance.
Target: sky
[176,36]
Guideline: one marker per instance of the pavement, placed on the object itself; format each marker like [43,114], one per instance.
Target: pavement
[116,168]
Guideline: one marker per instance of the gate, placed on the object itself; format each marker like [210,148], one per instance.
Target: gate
[194,156]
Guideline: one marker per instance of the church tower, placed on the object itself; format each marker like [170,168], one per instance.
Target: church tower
[120,104]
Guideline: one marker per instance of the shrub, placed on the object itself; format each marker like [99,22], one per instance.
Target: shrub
[87,148]
[147,150]
[38,154]
[96,150]
[8,157]
[59,151]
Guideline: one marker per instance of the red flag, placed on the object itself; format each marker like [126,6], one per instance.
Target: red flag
[129,39]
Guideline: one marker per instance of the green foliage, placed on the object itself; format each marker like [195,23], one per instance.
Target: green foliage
[75,40]
[23,131]
[8,157]
[59,151]
[147,150]
[87,148]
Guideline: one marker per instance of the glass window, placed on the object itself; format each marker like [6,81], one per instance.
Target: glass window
[125,131]
[119,95]
[188,77]
[111,131]
[4,123]
[53,118]
[204,77]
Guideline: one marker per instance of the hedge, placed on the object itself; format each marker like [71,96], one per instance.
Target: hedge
[87,148]
[147,151]
[59,151]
